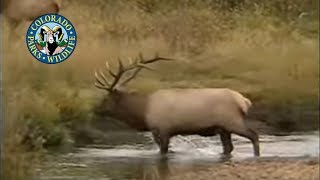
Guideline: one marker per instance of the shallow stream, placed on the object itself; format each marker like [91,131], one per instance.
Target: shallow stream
[141,160]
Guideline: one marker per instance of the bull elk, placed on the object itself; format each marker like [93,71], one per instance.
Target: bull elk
[169,112]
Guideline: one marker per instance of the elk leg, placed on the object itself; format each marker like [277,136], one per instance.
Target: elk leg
[255,141]
[225,137]
[253,137]
[164,143]
[162,140]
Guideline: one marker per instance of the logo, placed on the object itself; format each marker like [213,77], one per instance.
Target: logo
[51,38]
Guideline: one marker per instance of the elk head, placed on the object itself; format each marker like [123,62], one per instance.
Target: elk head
[119,103]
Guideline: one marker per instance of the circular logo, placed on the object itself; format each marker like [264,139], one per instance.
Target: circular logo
[51,38]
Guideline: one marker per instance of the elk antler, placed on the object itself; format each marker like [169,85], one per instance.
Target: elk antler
[138,64]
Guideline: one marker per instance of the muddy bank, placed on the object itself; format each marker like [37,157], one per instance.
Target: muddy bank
[266,169]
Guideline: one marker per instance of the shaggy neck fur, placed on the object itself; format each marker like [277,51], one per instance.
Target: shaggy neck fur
[130,108]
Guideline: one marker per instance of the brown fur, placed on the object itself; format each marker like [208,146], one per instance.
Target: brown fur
[130,108]
[17,11]
[28,10]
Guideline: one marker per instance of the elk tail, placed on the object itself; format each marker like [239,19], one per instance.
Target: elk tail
[243,102]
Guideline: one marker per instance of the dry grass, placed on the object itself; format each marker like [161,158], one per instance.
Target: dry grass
[268,51]
[246,50]
[16,160]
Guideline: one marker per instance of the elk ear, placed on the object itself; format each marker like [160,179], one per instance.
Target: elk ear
[120,89]
[115,91]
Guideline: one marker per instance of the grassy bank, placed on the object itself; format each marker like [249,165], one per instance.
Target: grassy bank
[267,50]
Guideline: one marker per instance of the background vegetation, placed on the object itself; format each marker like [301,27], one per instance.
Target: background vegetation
[267,50]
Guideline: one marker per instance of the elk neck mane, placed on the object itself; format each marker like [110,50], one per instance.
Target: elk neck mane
[131,108]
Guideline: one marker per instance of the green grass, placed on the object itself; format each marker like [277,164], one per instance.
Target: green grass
[267,50]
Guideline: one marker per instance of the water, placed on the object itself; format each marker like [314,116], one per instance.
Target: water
[138,161]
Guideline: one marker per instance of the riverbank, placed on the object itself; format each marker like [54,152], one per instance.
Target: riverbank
[262,169]
[270,168]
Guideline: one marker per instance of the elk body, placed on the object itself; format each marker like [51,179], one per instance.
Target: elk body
[17,11]
[170,112]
